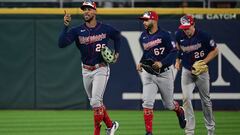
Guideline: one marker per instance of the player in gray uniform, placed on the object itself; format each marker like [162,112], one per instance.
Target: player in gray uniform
[195,45]
[159,48]
[90,38]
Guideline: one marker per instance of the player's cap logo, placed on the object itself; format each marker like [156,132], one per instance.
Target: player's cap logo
[152,15]
[89,4]
[186,21]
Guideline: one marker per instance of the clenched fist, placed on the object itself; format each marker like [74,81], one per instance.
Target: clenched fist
[157,65]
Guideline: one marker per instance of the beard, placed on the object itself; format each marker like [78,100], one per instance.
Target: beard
[149,27]
[88,18]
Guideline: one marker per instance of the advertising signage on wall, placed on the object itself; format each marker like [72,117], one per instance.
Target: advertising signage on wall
[217,16]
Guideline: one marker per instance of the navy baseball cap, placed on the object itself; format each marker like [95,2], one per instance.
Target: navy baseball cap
[149,15]
[89,4]
[186,22]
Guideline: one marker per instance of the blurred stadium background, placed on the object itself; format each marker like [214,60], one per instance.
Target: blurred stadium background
[124,3]
[36,76]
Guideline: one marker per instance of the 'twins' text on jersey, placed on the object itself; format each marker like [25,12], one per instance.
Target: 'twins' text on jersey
[194,48]
[158,47]
[90,41]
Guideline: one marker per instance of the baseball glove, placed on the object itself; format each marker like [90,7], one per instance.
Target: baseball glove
[108,55]
[199,67]
[147,66]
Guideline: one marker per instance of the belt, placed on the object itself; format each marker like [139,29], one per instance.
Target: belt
[91,68]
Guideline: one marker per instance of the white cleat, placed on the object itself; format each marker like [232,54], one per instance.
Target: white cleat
[111,131]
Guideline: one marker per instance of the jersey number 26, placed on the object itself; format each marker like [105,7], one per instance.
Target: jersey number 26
[199,54]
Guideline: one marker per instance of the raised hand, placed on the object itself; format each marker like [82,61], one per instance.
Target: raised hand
[67,18]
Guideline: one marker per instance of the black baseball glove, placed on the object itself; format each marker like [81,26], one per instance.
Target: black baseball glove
[147,66]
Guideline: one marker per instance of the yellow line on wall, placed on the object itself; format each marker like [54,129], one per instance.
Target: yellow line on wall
[121,11]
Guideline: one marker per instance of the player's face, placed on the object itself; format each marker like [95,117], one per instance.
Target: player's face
[88,14]
[190,31]
[148,24]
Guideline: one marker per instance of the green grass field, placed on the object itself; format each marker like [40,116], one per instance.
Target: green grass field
[131,123]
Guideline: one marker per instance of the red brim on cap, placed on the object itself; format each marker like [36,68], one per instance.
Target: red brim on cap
[143,18]
[184,26]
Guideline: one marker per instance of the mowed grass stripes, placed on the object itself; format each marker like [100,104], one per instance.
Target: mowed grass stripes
[131,123]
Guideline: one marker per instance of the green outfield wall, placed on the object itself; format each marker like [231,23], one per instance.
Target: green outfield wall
[36,74]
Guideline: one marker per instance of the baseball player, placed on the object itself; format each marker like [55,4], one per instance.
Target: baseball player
[196,50]
[90,38]
[159,48]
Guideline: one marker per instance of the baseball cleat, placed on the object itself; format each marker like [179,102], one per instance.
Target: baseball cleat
[111,131]
[181,118]
[148,133]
